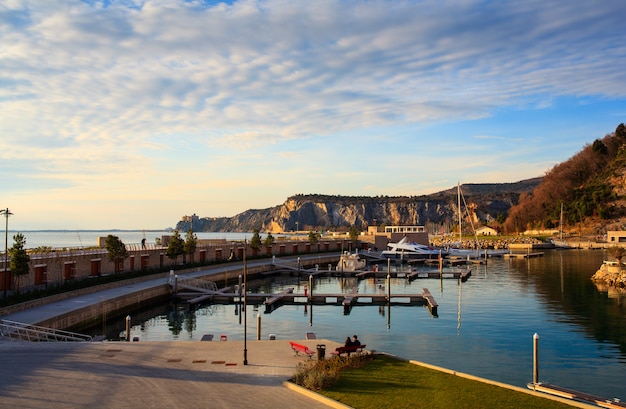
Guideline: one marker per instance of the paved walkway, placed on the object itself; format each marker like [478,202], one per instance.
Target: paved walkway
[136,375]
[179,374]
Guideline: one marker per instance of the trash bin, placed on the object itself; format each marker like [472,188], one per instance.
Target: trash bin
[321,351]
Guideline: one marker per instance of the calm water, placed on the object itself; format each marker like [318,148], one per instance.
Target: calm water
[89,238]
[485,325]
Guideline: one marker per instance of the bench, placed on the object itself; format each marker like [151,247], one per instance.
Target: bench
[348,350]
[301,349]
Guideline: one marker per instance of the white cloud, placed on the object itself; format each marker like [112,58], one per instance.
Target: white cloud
[89,89]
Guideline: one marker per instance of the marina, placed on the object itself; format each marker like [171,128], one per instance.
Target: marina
[484,325]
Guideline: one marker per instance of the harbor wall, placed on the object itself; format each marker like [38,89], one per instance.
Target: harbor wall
[57,267]
[94,313]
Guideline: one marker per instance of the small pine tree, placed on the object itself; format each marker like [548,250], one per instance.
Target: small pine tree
[176,247]
[255,241]
[269,240]
[19,258]
[116,251]
[314,237]
[191,242]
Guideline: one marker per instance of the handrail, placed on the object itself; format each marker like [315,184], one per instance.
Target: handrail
[27,332]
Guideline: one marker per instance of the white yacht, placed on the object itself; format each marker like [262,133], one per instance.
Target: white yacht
[406,249]
[350,263]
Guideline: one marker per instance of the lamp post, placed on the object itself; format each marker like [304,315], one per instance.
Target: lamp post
[245,304]
[6,214]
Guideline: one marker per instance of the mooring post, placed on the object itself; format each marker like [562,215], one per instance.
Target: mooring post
[239,287]
[310,286]
[258,327]
[535,359]
[128,328]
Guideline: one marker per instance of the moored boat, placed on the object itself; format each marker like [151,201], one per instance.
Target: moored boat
[408,250]
[350,262]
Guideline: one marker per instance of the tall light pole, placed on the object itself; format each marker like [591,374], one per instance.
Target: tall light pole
[6,214]
[245,304]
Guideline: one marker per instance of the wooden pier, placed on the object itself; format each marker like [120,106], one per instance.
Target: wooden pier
[463,275]
[577,396]
[523,255]
[196,294]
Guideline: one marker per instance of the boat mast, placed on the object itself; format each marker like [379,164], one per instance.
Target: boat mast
[561,223]
[458,194]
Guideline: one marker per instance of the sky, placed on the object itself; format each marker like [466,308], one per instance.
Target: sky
[131,114]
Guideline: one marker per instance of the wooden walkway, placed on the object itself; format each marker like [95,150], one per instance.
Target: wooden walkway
[523,255]
[288,297]
[412,275]
[577,396]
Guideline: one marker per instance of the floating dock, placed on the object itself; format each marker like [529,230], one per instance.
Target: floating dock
[577,396]
[523,255]
[197,294]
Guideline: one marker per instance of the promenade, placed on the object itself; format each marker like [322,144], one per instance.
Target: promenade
[179,374]
[135,375]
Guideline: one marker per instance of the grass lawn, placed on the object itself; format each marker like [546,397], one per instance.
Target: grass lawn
[386,382]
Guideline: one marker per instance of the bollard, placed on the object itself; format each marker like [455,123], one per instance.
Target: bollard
[535,359]
[128,328]
[321,352]
[258,327]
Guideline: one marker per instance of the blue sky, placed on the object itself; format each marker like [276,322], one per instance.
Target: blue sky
[130,114]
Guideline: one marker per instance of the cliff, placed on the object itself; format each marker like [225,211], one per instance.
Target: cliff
[485,203]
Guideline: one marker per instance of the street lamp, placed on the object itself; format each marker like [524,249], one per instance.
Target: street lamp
[6,214]
[245,304]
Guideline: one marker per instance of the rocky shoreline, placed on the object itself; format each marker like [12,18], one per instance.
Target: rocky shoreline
[611,273]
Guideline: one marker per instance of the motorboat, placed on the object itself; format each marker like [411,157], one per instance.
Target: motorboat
[408,250]
[350,262]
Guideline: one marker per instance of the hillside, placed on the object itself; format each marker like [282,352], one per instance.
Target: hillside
[489,202]
[591,185]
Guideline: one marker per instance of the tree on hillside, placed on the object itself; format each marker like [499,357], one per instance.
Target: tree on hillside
[176,247]
[620,133]
[19,258]
[581,183]
[191,242]
[116,251]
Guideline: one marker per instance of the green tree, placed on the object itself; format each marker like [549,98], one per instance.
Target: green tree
[255,241]
[269,240]
[191,242]
[314,237]
[176,246]
[116,251]
[354,234]
[19,258]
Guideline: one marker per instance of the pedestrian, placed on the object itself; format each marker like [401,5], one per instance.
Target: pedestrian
[355,341]
[348,342]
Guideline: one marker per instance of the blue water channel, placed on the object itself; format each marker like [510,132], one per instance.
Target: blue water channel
[484,326]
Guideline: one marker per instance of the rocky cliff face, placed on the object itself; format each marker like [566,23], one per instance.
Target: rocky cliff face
[484,202]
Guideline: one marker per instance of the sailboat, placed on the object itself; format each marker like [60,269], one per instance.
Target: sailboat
[560,243]
[457,248]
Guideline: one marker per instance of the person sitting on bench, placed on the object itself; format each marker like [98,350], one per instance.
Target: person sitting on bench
[355,341]
[348,342]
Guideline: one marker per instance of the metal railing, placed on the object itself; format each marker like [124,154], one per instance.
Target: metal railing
[33,333]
